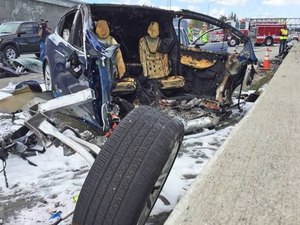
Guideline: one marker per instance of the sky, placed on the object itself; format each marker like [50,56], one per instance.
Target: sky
[243,8]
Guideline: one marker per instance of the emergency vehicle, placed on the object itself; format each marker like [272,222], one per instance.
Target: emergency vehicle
[259,31]
[267,33]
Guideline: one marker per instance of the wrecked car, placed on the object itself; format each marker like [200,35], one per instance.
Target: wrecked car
[117,69]
[130,56]
[153,69]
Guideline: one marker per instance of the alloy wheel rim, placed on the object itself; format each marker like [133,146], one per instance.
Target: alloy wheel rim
[158,186]
[11,54]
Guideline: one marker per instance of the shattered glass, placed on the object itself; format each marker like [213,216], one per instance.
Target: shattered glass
[33,65]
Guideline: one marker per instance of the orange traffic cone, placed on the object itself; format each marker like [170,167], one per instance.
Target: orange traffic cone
[266,64]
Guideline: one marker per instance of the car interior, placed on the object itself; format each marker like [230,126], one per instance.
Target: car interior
[202,70]
[129,26]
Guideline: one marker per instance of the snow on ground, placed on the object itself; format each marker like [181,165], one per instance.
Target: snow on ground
[53,183]
[192,158]
[196,151]
[4,95]
[35,192]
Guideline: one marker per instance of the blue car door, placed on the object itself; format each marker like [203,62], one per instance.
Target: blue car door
[59,49]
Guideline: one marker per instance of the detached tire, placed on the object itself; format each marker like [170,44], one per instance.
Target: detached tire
[130,171]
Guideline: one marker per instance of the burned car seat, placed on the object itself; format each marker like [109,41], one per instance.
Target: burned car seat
[122,84]
[156,64]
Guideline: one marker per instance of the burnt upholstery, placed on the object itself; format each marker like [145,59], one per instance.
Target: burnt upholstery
[123,84]
[103,33]
[155,64]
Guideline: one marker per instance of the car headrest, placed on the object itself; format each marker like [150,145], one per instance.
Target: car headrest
[153,30]
[102,29]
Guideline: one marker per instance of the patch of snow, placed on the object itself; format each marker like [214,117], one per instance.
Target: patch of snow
[9,88]
[55,180]
[4,95]
[193,156]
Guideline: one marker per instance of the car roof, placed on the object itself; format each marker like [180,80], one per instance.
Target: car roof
[131,7]
[125,7]
[152,12]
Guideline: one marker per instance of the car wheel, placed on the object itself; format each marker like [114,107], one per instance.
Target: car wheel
[232,42]
[268,41]
[130,171]
[48,78]
[10,52]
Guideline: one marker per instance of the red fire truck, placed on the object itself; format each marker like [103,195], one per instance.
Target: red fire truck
[267,33]
[259,31]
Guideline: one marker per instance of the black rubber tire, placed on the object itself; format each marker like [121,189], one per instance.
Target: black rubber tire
[268,41]
[12,50]
[121,180]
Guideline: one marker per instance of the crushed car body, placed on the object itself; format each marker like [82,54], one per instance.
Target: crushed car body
[131,55]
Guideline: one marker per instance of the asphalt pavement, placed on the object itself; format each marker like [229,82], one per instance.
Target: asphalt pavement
[254,178]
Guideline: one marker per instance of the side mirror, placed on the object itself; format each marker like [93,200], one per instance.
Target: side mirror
[21,32]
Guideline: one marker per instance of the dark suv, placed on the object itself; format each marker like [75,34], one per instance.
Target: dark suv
[20,37]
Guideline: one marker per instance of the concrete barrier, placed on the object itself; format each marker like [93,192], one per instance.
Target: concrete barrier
[254,178]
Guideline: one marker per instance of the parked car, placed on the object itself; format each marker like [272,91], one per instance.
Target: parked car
[19,37]
[78,58]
